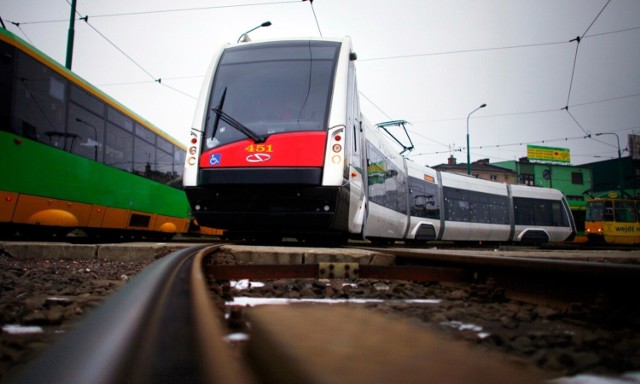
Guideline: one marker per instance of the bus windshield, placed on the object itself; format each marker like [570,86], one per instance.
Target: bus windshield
[270,88]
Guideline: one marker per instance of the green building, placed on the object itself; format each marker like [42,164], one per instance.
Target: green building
[607,179]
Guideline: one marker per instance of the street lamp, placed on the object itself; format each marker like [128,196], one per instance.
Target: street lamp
[468,149]
[620,178]
[245,36]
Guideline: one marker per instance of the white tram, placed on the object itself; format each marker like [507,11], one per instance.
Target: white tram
[279,147]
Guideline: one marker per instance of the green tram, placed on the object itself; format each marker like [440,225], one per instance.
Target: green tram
[74,158]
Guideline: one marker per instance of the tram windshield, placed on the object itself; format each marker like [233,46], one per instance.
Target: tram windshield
[271,88]
[595,210]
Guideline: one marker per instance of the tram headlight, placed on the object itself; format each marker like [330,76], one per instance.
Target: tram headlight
[337,148]
[191,160]
[192,150]
[336,159]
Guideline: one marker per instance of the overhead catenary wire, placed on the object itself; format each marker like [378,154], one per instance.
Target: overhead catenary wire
[153,78]
[583,36]
[549,110]
[596,18]
[578,39]
[157,80]
[195,8]
[516,144]
[544,141]
[172,10]
[375,105]
[21,30]
[86,20]
[461,51]
[315,16]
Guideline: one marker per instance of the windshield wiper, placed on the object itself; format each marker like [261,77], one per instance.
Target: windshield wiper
[221,115]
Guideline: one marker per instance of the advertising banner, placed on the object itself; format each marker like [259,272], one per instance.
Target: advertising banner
[558,155]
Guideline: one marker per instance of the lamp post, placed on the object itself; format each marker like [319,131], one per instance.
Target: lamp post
[620,178]
[468,149]
[245,36]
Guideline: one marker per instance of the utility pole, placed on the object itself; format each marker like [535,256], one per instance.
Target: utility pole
[72,23]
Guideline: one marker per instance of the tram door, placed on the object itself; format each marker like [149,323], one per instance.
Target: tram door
[356,173]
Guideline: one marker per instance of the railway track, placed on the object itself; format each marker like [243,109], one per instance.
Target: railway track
[167,326]
[554,281]
[153,330]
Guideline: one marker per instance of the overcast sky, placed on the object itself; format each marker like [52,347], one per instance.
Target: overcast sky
[428,62]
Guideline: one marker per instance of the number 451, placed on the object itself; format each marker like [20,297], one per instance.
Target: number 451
[259,148]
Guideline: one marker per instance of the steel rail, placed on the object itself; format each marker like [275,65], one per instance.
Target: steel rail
[556,282]
[314,271]
[560,282]
[160,327]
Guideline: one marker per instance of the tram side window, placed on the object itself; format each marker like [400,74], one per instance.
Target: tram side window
[625,212]
[456,210]
[119,119]
[475,207]
[145,134]
[40,103]
[164,156]
[387,185]
[118,148]
[178,162]
[87,101]
[539,212]
[424,199]
[164,169]
[144,158]
[88,130]
[559,218]
[607,214]
[7,52]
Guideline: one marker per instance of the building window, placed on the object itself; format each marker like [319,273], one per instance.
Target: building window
[527,179]
[493,177]
[576,178]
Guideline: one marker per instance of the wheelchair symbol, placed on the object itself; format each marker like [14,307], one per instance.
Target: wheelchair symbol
[215,159]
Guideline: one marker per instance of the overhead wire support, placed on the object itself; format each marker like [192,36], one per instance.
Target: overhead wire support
[578,39]
[21,30]
[573,70]
[576,121]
